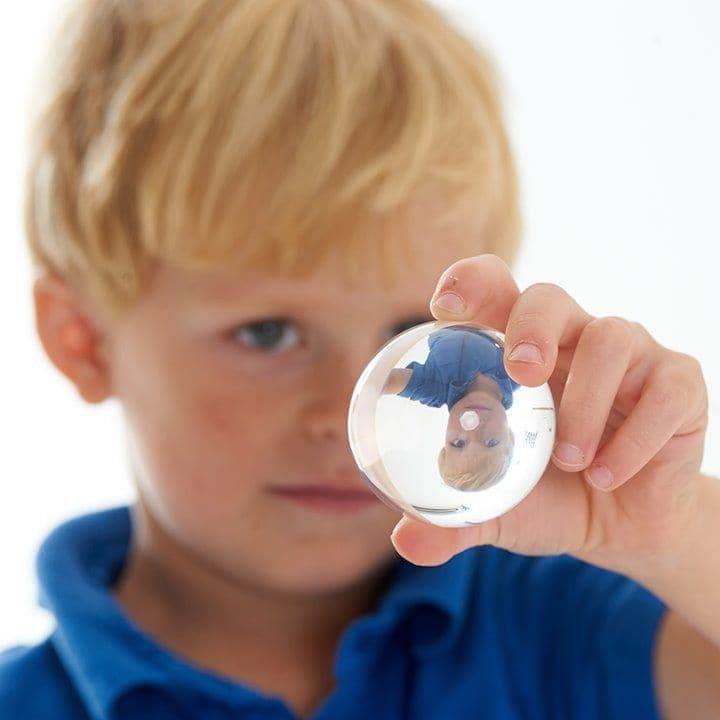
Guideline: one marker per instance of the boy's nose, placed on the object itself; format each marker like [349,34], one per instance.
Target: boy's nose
[328,396]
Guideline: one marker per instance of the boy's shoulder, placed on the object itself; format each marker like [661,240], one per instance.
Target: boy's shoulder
[34,684]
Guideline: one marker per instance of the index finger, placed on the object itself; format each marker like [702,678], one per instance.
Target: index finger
[547,319]
[485,286]
[543,316]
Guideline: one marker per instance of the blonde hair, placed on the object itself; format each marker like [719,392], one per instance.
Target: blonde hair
[477,479]
[233,132]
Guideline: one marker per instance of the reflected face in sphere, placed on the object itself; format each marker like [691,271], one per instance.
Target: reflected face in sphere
[478,435]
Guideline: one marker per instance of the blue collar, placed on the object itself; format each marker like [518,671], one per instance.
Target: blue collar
[107,655]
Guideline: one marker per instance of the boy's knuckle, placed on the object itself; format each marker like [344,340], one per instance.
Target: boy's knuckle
[611,330]
[690,375]
[545,291]
[691,366]
[672,388]
[608,339]
[529,325]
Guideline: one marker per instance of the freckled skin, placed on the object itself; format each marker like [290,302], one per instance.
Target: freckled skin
[214,423]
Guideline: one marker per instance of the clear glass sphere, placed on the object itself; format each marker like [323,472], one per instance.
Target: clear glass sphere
[442,433]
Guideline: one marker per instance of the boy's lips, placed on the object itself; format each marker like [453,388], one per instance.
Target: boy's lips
[328,497]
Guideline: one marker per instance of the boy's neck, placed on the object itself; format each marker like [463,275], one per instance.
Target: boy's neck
[274,642]
[485,384]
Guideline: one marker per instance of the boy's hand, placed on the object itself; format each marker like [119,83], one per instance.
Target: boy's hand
[636,411]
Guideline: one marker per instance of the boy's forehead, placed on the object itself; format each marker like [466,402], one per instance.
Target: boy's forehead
[222,287]
[416,262]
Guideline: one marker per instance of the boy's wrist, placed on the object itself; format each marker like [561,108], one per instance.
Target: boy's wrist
[684,573]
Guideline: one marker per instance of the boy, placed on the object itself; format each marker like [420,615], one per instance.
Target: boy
[208,181]
[464,363]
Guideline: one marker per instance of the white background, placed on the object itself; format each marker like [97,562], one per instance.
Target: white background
[614,114]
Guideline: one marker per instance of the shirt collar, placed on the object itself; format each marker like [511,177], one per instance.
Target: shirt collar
[107,655]
[432,601]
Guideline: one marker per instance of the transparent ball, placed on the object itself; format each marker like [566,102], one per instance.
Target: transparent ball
[442,433]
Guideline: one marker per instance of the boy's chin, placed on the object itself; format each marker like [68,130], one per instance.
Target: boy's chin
[328,572]
[490,397]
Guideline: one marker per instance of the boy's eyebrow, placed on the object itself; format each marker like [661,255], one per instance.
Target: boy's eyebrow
[237,293]
[247,294]
[249,297]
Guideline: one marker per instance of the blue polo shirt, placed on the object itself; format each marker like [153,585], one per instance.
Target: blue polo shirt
[456,354]
[487,634]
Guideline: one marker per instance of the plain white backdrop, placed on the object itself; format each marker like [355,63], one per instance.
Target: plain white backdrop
[613,112]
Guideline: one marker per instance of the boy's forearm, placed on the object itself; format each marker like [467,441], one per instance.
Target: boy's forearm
[687,579]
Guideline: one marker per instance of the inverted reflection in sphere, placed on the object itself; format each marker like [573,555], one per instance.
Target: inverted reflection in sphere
[441,431]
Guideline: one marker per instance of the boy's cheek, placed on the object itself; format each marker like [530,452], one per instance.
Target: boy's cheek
[231,526]
[207,484]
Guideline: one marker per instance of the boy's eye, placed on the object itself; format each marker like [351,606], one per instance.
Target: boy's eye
[268,335]
[488,443]
[279,334]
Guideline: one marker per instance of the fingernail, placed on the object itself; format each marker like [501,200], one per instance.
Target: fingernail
[568,454]
[600,476]
[450,302]
[526,352]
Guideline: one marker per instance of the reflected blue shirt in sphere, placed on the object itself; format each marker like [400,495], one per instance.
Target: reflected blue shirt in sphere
[457,353]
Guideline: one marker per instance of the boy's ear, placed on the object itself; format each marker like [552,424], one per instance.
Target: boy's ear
[74,342]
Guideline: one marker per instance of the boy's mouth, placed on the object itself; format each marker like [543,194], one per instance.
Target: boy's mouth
[328,498]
